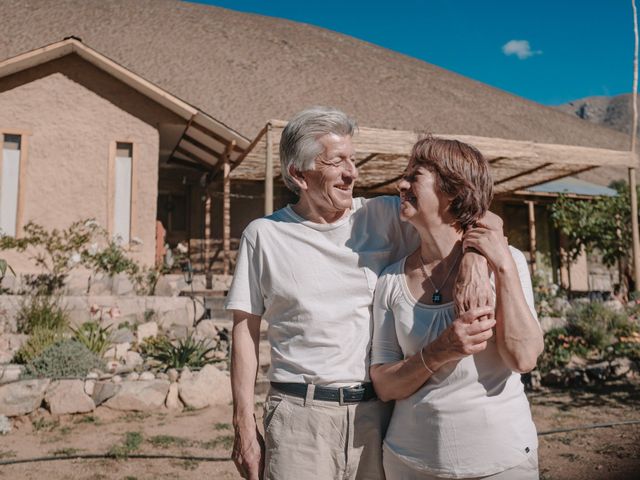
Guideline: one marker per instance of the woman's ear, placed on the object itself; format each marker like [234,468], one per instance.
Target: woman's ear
[298,177]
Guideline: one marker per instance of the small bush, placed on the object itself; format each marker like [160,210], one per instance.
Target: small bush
[559,346]
[41,312]
[595,323]
[94,337]
[67,358]
[39,340]
[186,352]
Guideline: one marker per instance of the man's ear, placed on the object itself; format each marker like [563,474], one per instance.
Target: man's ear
[298,178]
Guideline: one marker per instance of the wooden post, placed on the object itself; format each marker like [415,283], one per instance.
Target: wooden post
[268,173]
[532,236]
[226,209]
[207,238]
[632,170]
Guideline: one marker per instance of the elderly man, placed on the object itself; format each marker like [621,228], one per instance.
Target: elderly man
[309,270]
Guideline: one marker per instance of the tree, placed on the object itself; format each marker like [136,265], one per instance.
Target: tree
[602,224]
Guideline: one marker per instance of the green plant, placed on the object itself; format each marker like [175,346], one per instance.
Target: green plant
[559,347]
[167,441]
[595,323]
[41,311]
[93,336]
[186,352]
[39,340]
[67,358]
[131,443]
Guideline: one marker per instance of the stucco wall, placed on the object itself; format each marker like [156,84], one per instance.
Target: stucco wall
[74,114]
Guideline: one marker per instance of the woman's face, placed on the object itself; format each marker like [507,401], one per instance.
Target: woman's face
[421,201]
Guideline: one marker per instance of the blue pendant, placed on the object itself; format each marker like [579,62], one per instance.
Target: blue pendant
[436,297]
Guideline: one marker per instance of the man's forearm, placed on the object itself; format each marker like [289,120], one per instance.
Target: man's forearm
[244,367]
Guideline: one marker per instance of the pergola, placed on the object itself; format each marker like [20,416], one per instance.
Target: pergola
[382,155]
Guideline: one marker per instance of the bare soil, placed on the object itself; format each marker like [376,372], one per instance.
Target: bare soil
[600,453]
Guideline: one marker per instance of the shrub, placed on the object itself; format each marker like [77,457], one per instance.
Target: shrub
[186,352]
[67,358]
[94,337]
[559,346]
[595,323]
[39,340]
[41,312]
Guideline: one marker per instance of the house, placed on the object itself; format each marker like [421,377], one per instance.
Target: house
[165,110]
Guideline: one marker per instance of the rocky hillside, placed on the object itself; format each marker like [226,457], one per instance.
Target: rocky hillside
[613,112]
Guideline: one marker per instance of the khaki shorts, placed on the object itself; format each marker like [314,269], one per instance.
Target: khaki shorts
[323,440]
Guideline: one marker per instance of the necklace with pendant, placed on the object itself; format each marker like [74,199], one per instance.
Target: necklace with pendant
[437,296]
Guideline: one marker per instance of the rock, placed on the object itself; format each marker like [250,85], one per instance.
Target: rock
[111,365]
[133,376]
[147,376]
[162,376]
[178,332]
[5,425]
[576,362]
[10,373]
[208,387]
[597,371]
[20,398]
[207,329]
[536,380]
[553,377]
[123,335]
[621,367]
[147,330]
[173,400]
[68,396]
[116,379]
[121,350]
[10,343]
[89,387]
[173,375]
[133,359]
[185,373]
[103,391]
[140,396]
[614,305]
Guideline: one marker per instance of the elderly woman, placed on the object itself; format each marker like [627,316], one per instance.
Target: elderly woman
[460,411]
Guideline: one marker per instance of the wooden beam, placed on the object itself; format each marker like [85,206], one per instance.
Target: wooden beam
[226,209]
[367,159]
[251,146]
[522,174]
[201,146]
[185,163]
[383,184]
[173,152]
[215,136]
[268,173]
[193,157]
[532,236]
[550,179]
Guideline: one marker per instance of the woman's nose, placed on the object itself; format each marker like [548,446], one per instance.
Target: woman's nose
[402,185]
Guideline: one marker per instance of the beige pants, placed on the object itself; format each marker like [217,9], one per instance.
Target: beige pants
[311,439]
[396,469]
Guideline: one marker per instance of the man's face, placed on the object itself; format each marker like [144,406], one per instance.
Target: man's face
[329,188]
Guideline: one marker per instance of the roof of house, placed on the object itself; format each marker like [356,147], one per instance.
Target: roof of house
[575,186]
[244,69]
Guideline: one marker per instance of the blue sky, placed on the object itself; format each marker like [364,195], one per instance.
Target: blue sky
[577,48]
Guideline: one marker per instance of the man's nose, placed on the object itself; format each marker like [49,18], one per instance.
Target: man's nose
[350,169]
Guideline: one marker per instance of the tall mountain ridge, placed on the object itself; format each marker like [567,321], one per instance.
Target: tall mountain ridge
[612,112]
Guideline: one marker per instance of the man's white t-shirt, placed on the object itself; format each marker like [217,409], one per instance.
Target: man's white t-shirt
[472,417]
[314,284]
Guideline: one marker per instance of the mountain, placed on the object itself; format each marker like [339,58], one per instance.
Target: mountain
[612,112]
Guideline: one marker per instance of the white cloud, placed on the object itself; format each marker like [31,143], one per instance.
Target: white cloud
[519,48]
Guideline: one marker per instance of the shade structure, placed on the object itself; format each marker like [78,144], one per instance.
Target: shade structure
[382,154]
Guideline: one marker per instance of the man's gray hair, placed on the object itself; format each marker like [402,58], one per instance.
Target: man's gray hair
[299,143]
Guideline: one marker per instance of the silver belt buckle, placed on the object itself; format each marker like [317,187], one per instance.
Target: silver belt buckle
[341,396]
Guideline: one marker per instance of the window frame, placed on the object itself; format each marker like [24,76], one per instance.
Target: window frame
[111,189]
[24,155]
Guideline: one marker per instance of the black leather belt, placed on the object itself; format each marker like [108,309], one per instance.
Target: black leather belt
[342,395]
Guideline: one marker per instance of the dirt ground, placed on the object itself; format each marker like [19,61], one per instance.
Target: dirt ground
[602,453]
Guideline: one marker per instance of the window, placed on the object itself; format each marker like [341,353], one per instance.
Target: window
[123,174]
[9,183]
